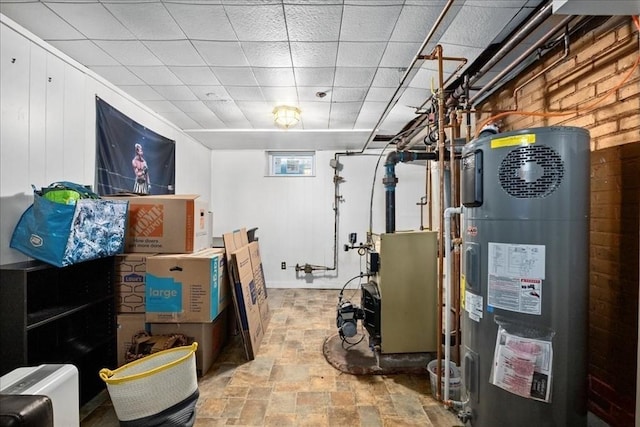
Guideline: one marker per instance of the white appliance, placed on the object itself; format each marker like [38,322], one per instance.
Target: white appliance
[58,382]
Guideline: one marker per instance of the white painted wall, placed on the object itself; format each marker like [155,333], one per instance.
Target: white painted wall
[47,127]
[295,217]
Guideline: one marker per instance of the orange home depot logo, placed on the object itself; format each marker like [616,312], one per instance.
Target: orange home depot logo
[146,220]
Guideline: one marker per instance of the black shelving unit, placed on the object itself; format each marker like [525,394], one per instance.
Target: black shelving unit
[59,315]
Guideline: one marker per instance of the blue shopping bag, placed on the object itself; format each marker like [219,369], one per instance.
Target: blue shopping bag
[63,234]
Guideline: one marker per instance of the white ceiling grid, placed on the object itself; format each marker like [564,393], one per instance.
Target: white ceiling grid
[215,66]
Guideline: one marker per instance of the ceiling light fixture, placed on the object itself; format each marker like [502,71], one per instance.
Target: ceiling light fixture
[286,116]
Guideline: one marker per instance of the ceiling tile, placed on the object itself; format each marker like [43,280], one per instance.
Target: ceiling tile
[257,22]
[202,21]
[259,114]
[314,76]
[195,75]
[469,27]
[162,107]
[350,94]
[313,23]
[343,115]
[368,23]
[280,95]
[314,54]
[148,21]
[360,54]
[415,22]
[175,93]
[274,76]
[129,52]
[211,93]
[156,75]
[354,76]
[372,110]
[208,120]
[192,106]
[84,51]
[40,20]
[399,54]
[267,54]
[180,119]
[388,77]
[142,92]
[224,54]
[92,20]
[227,111]
[414,98]
[503,3]
[235,76]
[308,93]
[245,93]
[380,94]
[175,52]
[117,75]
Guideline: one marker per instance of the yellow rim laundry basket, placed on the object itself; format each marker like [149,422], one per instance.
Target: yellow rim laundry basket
[152,384]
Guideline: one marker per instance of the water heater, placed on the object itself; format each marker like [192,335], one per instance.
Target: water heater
[525,287]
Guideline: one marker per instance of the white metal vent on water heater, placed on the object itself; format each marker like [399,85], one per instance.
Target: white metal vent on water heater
[525,277]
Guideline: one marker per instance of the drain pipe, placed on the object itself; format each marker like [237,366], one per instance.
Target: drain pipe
[390,180]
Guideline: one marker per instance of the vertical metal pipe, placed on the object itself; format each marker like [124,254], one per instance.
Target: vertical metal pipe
[454,168]
[441,139]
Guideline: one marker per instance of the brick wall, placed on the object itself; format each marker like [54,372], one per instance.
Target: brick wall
[597,62]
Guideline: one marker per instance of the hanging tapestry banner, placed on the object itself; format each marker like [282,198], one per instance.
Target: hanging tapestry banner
[129,157]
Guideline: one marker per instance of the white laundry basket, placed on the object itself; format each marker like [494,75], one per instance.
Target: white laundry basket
[160,385]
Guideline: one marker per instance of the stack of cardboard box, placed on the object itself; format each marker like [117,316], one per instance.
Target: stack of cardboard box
[170,280]
[248,288]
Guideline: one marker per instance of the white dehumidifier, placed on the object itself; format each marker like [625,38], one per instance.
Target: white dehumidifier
[58,382]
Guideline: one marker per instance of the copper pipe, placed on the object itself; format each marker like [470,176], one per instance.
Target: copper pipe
[521,58]
[441,152]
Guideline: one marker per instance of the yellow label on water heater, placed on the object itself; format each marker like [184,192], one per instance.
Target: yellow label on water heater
[509,141]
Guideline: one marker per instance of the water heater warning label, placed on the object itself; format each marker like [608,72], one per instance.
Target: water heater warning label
[515,278]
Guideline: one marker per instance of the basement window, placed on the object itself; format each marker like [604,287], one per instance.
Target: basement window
[291,163]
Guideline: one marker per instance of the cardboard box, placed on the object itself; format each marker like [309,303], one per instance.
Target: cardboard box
[246,296]
[192,288]
[128,325]
[131,272]
[261,286]
[211,338]
[167,224]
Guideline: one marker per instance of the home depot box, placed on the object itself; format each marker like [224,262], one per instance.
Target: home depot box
[128,325]
[246,296]
[131,271]
[210,336]
[190,288]
[167,224]
[261,287]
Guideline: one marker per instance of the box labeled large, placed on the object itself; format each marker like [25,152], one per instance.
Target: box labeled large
[190,288]
[168,224]
[129,324]
[131,272]
[210,336]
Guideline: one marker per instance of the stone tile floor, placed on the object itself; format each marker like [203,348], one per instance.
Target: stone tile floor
[290,383]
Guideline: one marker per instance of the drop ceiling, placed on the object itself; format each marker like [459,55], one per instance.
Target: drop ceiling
[216,69]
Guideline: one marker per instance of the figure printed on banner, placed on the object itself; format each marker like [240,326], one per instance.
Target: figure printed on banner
[140,168]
